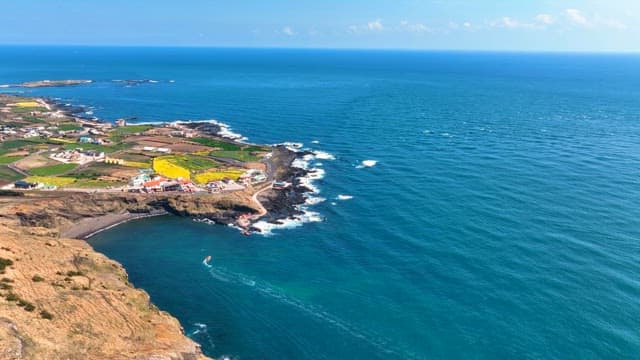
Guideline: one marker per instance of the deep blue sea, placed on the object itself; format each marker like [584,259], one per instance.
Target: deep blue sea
[501,220]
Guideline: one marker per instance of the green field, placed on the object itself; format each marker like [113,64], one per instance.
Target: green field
[9,145]
[91,183]
[94,170]
[97,147]
[8,174]
[191,162]
[236,155]
[26,110]
[53,169]
[131,129]
[33,119]
[9,159]
[69,127]
[217,144]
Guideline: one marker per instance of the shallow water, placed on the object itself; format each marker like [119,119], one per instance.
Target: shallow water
[500,219]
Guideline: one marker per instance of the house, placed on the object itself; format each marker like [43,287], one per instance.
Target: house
[171,186]
[139,180]
[121,122]
[153,185]
[86,140]
[253,176]
[30,134]
[21,184]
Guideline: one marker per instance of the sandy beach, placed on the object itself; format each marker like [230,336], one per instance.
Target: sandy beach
[88,227]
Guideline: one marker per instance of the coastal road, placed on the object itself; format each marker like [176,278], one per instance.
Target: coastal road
[263,210]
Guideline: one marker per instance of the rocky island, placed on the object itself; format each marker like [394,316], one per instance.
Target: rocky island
[64,177]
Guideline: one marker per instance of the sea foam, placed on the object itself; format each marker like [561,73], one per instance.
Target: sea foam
[367,163]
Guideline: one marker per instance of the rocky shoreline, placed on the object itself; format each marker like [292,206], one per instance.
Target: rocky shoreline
[86,306]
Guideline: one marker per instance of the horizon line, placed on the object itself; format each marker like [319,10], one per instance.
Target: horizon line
[461,50]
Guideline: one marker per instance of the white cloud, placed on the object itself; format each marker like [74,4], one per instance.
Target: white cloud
[372,26]
[576,17]
[287,30]
[545,19]
[375,25]
[510,23]
[417,27]
[466,24]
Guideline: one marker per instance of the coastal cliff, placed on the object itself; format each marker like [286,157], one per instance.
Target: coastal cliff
[63,300]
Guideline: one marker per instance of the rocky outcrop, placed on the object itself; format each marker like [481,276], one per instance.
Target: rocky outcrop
[63,210]
[60,299]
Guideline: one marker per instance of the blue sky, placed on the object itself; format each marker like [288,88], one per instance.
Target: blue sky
[528,25]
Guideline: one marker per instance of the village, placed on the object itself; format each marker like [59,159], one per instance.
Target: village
[44,147]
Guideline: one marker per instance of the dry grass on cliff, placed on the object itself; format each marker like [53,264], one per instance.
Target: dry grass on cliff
[62,300]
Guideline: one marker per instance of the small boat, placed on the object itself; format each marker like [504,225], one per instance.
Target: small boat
[206,260]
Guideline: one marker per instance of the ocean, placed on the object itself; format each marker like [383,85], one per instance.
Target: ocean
[498,218]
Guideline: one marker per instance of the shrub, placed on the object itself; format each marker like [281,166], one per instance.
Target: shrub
[12,297]
[74,273]
[25,303]
[46,315]
[5,286]
[4,263]
[37,278]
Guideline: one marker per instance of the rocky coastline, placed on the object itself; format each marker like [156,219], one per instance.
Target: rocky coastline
[59,298]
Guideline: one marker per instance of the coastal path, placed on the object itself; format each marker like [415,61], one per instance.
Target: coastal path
[263,210]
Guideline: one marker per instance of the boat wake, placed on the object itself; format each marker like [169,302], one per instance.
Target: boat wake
[267,290]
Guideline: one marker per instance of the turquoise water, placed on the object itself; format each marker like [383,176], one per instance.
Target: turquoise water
[501,220]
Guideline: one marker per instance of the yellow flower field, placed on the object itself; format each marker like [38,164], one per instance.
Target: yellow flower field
[51,180]
[28,104]
[206,177]
[165,168]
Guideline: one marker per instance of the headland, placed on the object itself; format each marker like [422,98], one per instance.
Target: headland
[65,176]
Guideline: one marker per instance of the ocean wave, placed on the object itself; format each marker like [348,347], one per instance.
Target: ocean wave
[307,216]
[313,200]
[292,146]
[315,142]
[344,197]
[225,129]
[367,163]
[323,155]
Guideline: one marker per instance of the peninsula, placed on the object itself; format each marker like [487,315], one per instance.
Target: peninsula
[65,177]
[48,83]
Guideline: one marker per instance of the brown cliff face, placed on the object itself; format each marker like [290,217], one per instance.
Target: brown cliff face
[60,210]
[60,299]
